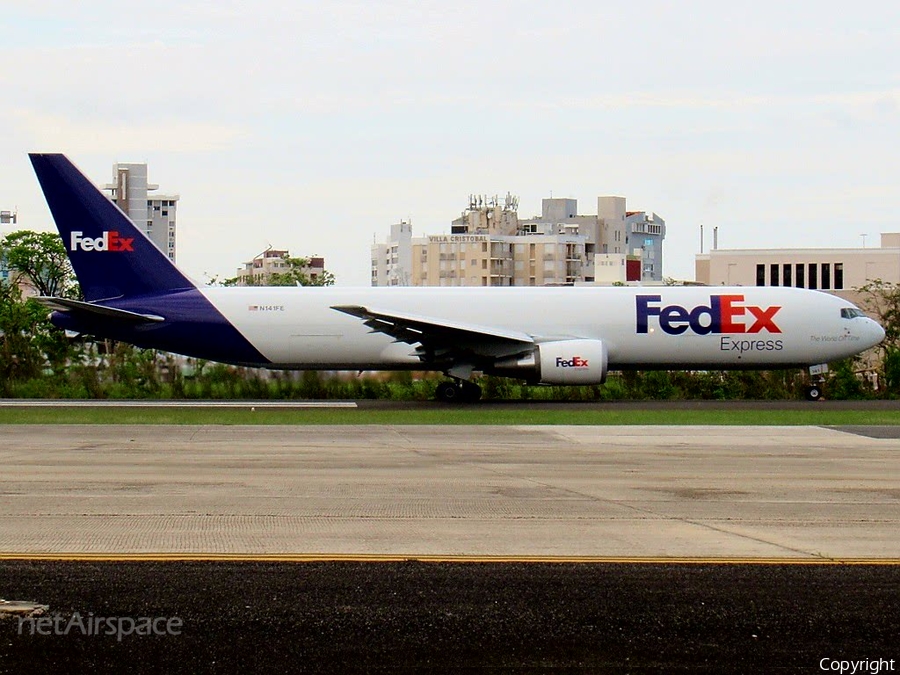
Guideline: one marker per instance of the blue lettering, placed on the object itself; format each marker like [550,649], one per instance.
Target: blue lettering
[672,315]
[725,314]
[644,310]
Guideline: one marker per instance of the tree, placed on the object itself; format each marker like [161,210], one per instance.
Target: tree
[19,357]
[296,275]
[41,259]
[882,299]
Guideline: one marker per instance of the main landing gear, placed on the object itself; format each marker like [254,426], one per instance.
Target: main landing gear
[458,391]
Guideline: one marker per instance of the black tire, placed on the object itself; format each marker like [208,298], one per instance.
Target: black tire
[813,393]
[471,392]
[448,392]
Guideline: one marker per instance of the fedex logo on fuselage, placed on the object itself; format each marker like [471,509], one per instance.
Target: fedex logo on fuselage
[110,241]
[574,362]
[724,314]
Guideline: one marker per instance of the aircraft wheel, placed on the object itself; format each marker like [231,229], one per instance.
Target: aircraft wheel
[449,392]
[470,392]
[813,393]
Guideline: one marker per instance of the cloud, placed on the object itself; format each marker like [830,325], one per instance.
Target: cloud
[95,136]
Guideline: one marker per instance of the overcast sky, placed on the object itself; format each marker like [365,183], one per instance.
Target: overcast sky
[315,125]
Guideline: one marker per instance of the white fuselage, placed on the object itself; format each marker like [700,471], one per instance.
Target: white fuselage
[692,327]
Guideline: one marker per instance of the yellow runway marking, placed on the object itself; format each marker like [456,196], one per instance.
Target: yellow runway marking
[376,558]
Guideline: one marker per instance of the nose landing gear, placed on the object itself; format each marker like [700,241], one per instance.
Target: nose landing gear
[814,391]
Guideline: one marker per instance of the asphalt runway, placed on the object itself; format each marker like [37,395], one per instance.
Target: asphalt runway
[702,549]
[456,618]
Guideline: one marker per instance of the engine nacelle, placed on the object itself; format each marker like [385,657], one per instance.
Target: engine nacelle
[571,362]
[559,362]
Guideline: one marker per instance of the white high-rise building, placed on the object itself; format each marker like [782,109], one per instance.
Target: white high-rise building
[392,261]
[154,214]
[6,218]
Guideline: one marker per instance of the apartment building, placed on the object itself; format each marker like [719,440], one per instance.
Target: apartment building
[258,270]
[153,213]
[6,218]
[489,245]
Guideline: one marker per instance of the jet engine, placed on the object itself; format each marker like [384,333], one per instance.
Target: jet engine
[559,362]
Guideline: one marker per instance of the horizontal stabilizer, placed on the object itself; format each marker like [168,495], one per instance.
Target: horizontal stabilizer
[66,305]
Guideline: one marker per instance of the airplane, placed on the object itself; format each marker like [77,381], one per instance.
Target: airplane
[546,335]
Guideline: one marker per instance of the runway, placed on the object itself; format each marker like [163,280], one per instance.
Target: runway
[409,549]
[603,493]
[458,618]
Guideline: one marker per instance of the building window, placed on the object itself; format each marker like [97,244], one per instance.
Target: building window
[826,276]
[838,276]
[799,269]
[773,274]
[813,276]
[760,275]
[786,274]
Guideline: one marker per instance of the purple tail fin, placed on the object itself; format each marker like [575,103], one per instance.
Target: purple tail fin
[112,258]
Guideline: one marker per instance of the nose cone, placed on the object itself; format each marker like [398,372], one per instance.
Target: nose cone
[876,331]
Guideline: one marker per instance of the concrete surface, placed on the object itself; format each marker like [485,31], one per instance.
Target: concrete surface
[744,492]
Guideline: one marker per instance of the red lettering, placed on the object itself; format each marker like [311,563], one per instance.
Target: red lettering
[764,319]
[117,243]
[729,312]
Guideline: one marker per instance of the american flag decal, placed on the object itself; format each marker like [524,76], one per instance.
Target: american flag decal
[253,308]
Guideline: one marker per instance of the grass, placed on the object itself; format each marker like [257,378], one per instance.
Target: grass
[817,416]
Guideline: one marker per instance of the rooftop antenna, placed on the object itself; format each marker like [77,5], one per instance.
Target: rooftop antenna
[864,239]
[701,238]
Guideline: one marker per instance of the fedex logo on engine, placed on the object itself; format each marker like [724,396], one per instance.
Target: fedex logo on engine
[110,241]
[574,362]
[724,314]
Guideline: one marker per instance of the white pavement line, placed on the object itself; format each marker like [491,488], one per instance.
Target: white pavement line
[131,403]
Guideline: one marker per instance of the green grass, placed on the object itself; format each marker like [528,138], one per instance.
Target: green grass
[463,415]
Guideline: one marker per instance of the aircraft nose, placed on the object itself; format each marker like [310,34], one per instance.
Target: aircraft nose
[877,332]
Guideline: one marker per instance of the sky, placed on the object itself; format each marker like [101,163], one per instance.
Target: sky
[314,126]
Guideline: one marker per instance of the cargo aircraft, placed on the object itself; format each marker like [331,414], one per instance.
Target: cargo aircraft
[554,336]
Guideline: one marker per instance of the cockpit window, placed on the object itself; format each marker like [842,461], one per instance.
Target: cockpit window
[851,313]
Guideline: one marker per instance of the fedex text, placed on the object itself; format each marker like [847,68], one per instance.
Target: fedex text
[110,241]
[725,314]
[574,362]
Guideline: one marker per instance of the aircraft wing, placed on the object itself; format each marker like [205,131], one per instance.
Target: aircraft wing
[440,339]
[77,306]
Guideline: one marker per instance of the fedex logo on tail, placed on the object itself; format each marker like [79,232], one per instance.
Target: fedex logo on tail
[724,314]
[110,241]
